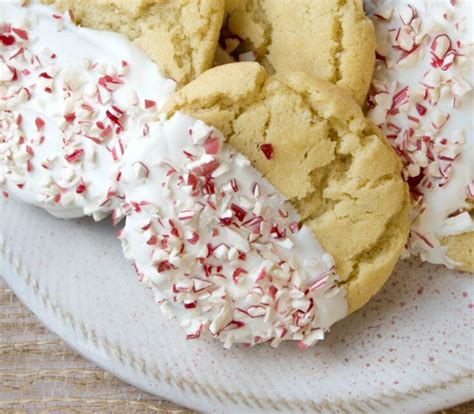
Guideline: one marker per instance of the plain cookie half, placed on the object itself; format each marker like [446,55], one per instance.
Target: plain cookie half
[332,164]
[332,39]
[179,35]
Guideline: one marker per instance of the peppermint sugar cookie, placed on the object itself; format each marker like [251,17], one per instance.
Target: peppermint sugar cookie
[220,247]
[262,208]
[69,96]
[332,40]
[422,99]
[180,36]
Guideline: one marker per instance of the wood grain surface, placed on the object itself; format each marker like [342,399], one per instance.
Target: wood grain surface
[40,374]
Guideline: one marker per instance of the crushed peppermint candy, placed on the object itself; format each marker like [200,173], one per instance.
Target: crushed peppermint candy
[66,107]
[221,248]
[421,97]
[267,150]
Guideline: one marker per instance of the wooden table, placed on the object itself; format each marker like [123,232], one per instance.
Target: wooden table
[39,373]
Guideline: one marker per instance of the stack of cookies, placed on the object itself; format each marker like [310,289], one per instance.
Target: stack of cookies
[264,198]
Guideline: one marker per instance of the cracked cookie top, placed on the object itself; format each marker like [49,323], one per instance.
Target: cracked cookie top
[332,39]
[333,165]
[179,35]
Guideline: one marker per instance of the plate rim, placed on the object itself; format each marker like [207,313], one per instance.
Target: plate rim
[14,272]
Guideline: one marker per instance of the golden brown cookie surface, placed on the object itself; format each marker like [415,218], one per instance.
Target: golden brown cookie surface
[179,35]
[328,160]
[331,39]
[461,249]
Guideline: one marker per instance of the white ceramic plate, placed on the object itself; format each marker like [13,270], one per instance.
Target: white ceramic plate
[410,349]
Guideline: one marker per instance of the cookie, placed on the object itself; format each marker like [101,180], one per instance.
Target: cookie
[69,98]
[330,39]
[421,97]
[262,207]
[214,227]
[334,167]
[180,36]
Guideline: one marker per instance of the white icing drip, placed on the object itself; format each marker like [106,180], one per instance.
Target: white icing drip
[87,63]
[234,300]
[449,80]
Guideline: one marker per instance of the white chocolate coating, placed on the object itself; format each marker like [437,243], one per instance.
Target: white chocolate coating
[220,247]
[69,96]
[422,98]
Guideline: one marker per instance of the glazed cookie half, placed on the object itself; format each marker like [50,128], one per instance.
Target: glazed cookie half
[332,39]
[334,166]
[422,99]
[179,35]
[69,96]
[220,247]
